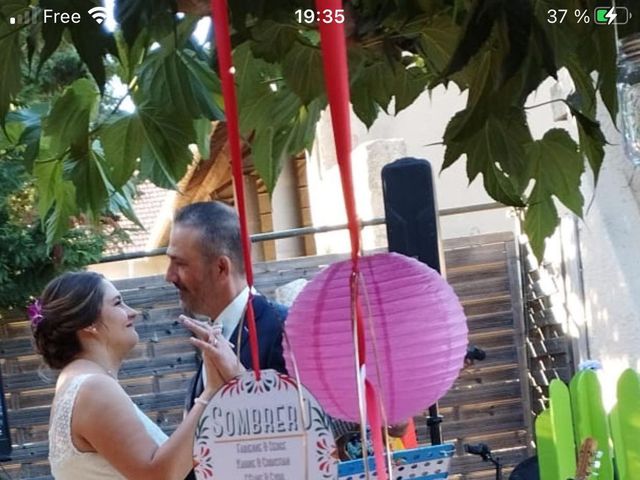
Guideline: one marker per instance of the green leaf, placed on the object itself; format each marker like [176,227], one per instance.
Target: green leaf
[540,221]
[500,142]
[121,200]
[253,75]
[453,151]
[438,41]
[90,180]
[477,30]
[179,82]
[557,167]
[263,157]
[500,187]
[481,82]
[380,79]
[203,128]
[57,224]
[181,32]
[48,176]
[165,152]
[303,71]
[275,144]
[90,39]
[592,140]
[205,86]
[546,51]
[122,140]
[130,56]
[68,123]
[374,87]
[466,123]
[409,84]
[163,80]
[272,40]
[460,130]
[14,126]
[29,138]
[494,144]
[518,23]
[563,37]
[258,105]
[302,130]
[363,105]
[585,89]
[134,16]
[10,57]
[93,43]
[52,36]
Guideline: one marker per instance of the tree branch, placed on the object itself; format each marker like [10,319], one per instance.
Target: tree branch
[544,103]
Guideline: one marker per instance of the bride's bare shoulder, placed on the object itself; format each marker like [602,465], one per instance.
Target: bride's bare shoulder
[92,377]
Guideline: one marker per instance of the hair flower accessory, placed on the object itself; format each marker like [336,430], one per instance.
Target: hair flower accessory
[35,313]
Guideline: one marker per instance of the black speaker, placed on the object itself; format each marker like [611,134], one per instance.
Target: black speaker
[411,211]
[5,437]
[413,229]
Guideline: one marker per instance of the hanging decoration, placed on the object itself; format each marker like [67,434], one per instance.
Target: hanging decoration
[361,391]
[417,340]
[336,76]
[262,424]
[219,10]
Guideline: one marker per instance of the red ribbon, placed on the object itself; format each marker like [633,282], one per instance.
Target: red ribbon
[225,63]
[336,75]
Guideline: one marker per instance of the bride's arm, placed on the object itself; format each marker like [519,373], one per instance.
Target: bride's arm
[105,418]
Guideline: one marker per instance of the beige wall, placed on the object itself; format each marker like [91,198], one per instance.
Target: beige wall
[408,134]
[141,267]
[610,248]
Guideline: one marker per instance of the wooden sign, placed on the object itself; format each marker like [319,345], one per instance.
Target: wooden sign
[267,429]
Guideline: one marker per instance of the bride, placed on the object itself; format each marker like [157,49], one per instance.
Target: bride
[82,326]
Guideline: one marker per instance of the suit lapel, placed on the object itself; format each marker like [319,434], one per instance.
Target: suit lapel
[259,303]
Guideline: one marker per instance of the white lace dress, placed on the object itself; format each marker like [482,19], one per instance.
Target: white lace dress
[67,462]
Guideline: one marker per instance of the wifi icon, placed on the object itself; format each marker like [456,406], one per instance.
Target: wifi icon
[99,14]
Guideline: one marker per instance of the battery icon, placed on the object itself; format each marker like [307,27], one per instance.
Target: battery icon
[611,15]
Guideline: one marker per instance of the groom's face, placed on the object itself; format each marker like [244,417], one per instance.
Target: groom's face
[190,270]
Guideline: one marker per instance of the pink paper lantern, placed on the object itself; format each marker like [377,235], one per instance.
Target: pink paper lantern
[420,336]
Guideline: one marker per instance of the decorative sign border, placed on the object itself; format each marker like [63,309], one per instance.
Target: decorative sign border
[255,430]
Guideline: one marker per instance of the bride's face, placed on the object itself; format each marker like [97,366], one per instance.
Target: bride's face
[116,322]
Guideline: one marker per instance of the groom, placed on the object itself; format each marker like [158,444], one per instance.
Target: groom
[207,268]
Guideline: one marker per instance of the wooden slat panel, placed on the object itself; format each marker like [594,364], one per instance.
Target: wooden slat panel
[484,393]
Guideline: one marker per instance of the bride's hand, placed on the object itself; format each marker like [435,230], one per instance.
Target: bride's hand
[200,329]
[221,363]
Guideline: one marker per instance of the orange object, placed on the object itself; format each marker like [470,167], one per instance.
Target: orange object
[409,439]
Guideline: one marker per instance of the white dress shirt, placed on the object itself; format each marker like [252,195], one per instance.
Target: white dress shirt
[229,318]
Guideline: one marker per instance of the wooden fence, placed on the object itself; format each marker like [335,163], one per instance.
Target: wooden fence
[489,402]
[550,350]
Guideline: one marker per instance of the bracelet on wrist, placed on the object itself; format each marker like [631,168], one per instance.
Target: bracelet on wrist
[201,401]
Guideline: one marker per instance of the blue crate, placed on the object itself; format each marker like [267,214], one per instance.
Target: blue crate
[423,463]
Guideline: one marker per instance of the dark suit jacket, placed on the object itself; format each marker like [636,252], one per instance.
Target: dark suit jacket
[270,318]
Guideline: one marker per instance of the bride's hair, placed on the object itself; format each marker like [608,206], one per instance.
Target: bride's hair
[68,303]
